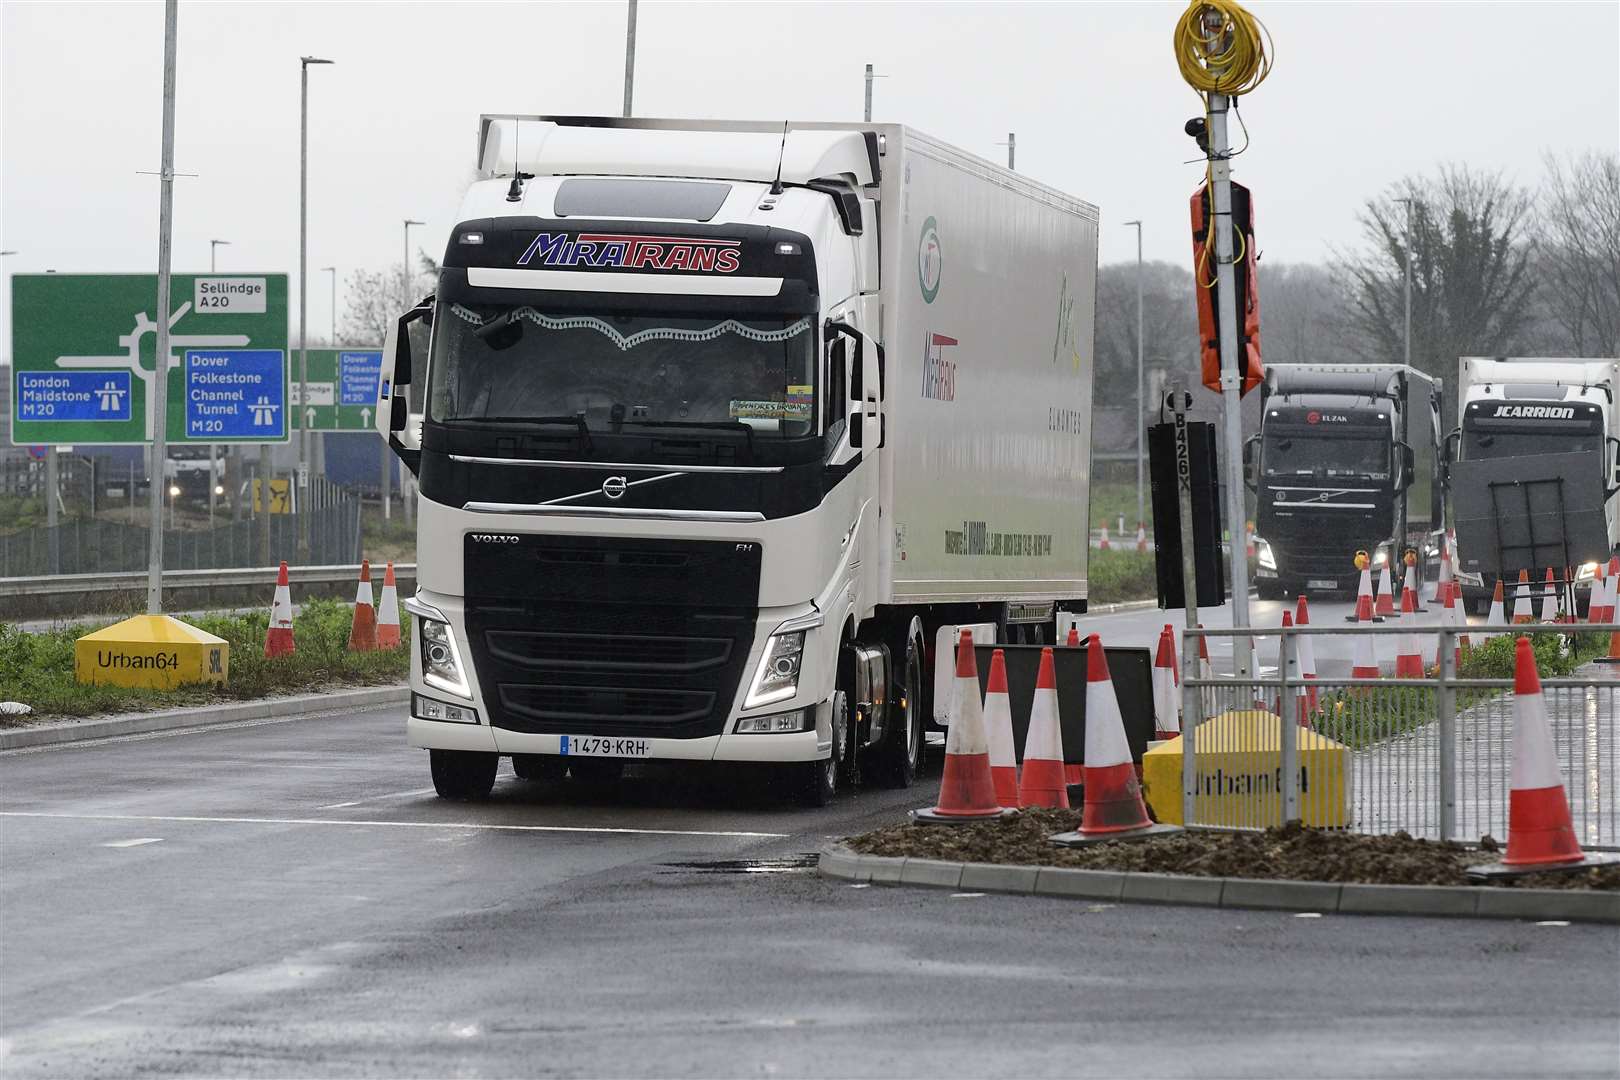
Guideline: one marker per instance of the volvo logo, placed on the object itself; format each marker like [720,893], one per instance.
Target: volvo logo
[493,538]
[614,487]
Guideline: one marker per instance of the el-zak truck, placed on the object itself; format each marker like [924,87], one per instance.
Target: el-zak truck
[716,426]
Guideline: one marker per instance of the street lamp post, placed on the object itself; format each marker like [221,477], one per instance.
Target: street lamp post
[333,271]
[870,75]
[160,415]
[1011,144]
[301,505]
[630,57]
[1141,407]
[213,254]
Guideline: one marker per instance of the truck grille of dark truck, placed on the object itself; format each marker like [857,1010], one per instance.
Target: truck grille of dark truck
[617,636]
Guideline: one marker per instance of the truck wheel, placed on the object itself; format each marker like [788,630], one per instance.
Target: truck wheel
[898,760]
[1269,589]
[818,780]
[463,774]
[542,767]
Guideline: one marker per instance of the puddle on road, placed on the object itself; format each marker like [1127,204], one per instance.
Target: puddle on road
[802,863]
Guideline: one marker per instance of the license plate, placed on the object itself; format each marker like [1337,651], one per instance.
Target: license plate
[1322,583]
[604,746]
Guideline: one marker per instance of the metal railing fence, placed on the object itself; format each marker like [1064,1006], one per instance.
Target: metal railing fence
[1429,756]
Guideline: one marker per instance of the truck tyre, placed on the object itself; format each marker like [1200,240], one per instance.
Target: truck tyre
[463,774]
[542,767]
[898,760]
[1269,589]
[817,781]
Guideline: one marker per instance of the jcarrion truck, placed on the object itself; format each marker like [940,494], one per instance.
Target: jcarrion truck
[1347,458]
[1535,449]
[716,426]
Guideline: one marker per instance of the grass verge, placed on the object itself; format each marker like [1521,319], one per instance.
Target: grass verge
[37,668]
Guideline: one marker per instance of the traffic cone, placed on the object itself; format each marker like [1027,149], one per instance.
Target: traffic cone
[1141,537]
[1103,546]
[1612,608]
[1074,637]
[967,791]
[1306,651]
[1549,597]
[1521,600]
[1166,701]
[1409,656]
[1364,594]
[1409,580]
[1611,582]
[1276,705]
[278,639]
[1540,833]
[1071,772]
[998,729]
[388,611]
[1296,688]
[1454,615]
[1597,597]
[1113,804]
[363,631]
[1497,616]
[1385,603]
[1248,532]
[1448,584]
[1044,780]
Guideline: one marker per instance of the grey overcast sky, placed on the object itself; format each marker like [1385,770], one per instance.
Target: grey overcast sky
[1361,94]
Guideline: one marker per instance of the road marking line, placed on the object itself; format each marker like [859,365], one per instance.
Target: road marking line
[966,895]
[374,798]
[394,824]
[137,842]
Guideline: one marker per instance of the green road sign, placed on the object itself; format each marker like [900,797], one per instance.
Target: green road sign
[342,389]
[84,349]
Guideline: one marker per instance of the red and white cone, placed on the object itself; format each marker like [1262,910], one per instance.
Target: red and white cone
[1103,545]
[1549,597]
[1141,537]
[1043,781]
[1248,533]
[1276,704]
[1497,616]
[1306,651]
[388,611]
[278,639]
[1409,657]
[363,630]
[1540,833]
[998,729]
[1610,581]
[1113,805]
[967,791]
[1598,595]
[1522,612]
[1612,606]
[1166,695]
[1364,594]
[1074,638]
[1071,772]
[1384,603]
[1448,583]
[1409,581]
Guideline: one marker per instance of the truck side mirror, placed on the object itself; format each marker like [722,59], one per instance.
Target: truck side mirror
[393,419]
[1250,463]
[871,393]
[1408,466]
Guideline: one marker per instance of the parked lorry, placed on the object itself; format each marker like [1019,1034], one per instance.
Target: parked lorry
[1525,422]
[722,423]
[1347,458]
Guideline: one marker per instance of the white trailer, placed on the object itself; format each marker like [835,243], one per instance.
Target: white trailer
[722,423]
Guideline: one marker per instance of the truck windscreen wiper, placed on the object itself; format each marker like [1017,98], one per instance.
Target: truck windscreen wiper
[716,425]
[572,421]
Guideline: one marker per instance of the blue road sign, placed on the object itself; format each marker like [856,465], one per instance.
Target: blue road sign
[73,395]
[357,377]
[236,394]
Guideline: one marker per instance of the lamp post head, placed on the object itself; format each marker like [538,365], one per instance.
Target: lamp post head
[1137,223]
[409,223]
[308,60]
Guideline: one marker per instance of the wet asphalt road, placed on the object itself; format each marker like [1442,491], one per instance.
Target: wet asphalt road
[287,899]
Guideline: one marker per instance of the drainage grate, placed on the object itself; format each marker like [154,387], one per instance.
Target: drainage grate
[791,864]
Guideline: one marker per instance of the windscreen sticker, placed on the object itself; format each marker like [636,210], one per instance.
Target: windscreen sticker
[770,410]
[661,333]
[690,253]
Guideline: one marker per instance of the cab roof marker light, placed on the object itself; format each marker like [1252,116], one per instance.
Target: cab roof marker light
[472,238]
[785,248]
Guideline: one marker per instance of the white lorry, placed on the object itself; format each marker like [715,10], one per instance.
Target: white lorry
[722,423]
[1514,415]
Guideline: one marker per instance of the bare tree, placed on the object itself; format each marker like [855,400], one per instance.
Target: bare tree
[373,299]
[1472,290]
[1579,219]
[1169,327]
[1301,315]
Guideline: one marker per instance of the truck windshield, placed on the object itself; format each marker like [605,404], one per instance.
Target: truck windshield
[1313,455]
[1479,444]
[511,363]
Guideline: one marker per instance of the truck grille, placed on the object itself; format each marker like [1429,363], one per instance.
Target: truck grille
[610,636]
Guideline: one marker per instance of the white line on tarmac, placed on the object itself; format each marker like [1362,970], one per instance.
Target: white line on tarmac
[376,798]
[137,842]
[392,824]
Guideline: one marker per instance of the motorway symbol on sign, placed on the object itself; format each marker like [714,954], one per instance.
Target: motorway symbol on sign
[84,351]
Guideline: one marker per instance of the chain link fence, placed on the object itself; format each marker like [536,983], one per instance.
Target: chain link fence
[1429,756]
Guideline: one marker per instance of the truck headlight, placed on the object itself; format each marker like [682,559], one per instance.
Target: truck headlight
[441,660]
[777,677]
[1380,558]
[1587,572]
[1263,555]
[777,723]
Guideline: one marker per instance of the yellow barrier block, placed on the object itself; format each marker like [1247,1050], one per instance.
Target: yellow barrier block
[153,651]
[1239,778]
